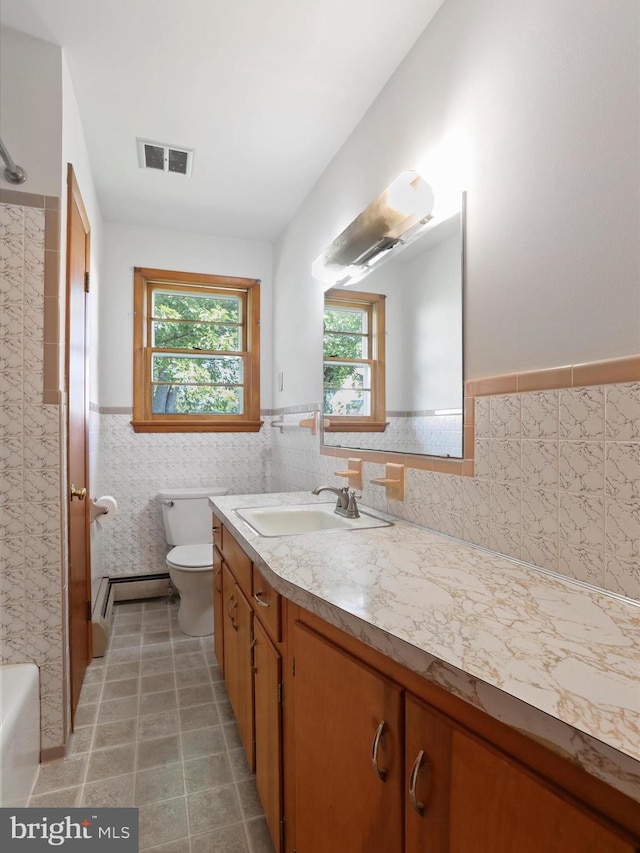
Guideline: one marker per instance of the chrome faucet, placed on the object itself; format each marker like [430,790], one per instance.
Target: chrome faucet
[346,504]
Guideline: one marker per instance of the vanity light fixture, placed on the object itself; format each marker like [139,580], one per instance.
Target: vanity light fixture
[393,219]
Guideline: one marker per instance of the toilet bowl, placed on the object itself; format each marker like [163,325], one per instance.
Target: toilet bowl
[191,573]
[187,521]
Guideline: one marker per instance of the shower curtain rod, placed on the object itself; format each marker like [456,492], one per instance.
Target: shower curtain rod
[13,173]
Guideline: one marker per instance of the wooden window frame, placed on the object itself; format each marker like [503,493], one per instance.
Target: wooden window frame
[375,304]
[145,281]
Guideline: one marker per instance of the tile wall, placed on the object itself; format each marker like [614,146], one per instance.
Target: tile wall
[557,482]
[32,579]
[439,435]
[134,467]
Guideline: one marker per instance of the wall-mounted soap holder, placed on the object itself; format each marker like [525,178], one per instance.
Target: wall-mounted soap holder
[393,481]
[353,472]
[313,423]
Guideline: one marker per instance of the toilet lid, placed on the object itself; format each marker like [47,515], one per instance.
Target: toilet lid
[191,556]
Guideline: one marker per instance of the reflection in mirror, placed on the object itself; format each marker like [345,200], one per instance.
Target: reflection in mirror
[393,378]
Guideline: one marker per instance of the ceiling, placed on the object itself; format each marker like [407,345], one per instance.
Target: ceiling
[265,92]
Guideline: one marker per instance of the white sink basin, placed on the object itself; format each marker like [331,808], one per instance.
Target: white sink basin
[304,518]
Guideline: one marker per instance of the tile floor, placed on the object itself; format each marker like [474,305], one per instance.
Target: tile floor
[154,729]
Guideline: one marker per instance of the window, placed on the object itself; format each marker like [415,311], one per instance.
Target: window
[196,353]
[354,381]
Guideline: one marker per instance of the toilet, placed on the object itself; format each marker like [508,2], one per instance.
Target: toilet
[187,523]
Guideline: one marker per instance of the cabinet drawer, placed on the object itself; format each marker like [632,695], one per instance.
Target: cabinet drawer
[266,604]
[238,562]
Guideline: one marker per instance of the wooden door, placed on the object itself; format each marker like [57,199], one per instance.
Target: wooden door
[341,802]
[498,807]
[427,778]
[76,376]
[218,610]
[238,676]
[267,667]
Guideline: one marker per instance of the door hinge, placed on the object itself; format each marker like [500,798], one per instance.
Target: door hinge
[86,282]
[282,835]
[293,666]
[88,611]
[280,694]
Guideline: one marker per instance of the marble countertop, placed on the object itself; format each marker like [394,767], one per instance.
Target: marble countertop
[510,639]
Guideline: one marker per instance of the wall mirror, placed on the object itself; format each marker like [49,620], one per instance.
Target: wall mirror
[393,351]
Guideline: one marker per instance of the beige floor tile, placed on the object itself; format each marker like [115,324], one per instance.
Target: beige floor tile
[61,774]
[197,695]
[249,799]
[118,709]
[153,787]
[151,703]
[119,671]
[156,666]
[227,839]
[159,751]
[239,764]
[212,808]
[210,771]
[68,798]
[192,675]
[162,822]
[118,689]
[157,683]
[109,793]
[114,734]
[259,836]
[199,717]
[199,742]
[157,725]
[114,761]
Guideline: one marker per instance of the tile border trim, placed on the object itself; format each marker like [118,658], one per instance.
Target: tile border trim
[605,372]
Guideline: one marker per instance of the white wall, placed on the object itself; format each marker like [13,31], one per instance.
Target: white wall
[545,98]
[126,247]
[31,110]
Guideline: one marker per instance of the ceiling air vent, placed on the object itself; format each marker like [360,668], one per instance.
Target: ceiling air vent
[164,158]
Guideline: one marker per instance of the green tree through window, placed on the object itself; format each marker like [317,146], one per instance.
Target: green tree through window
[196,354]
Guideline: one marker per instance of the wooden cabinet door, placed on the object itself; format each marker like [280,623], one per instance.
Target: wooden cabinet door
[341,803]
[218,610]
[499,807]
[427,778]
[238,676]
[267,667]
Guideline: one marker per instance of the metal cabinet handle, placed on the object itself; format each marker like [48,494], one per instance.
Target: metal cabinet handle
[381,774]
[252,645]
[77,493]
[217,574]
[257,598]
[231,607]
[413,779]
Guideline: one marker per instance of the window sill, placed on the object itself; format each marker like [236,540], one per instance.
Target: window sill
[196,426]
[355,426]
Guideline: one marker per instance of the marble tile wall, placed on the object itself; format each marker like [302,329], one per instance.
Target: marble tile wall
[557,482]
[134,467]
[31,573]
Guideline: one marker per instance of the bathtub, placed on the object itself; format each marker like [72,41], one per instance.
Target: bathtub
[19,732]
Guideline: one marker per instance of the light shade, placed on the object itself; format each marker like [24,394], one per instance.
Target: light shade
[392,219]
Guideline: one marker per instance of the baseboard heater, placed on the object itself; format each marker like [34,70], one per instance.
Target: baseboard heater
[127,588]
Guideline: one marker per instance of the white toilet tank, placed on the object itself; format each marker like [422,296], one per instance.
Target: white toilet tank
[187,514]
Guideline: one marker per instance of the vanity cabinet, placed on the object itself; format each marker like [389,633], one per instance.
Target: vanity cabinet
[249,649]
[348,752]
[238,676]
[355,752]
[463,794]
[426,783]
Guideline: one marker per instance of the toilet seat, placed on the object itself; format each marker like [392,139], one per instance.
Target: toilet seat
[193,558]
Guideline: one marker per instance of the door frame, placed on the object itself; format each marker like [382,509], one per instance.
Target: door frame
[74,198]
